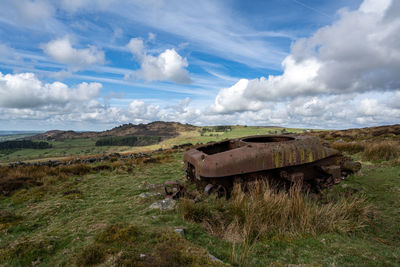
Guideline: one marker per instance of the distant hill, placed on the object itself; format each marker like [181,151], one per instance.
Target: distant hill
[378,132]
[157,128]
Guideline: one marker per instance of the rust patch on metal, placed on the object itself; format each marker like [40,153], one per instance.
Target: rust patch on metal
[286,158]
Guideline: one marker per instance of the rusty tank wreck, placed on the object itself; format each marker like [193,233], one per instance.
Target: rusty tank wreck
[279,159]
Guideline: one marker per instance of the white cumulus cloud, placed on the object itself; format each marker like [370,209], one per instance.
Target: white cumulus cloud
[167,66]
[136,47]
[143,112]
[62,51]
[25,90]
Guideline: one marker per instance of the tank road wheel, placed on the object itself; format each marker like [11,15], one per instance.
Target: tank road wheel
[222,191]
[217,189]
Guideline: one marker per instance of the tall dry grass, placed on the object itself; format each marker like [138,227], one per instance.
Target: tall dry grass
[371,151]
[266,212]
[263,212]
[385,150]
[349,147]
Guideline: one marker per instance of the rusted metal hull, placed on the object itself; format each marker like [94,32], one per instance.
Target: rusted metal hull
[284,158]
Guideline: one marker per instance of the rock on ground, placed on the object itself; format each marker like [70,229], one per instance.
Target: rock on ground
[179,231]
[165,204]
[149,194]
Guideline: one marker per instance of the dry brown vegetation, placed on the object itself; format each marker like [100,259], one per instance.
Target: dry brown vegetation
[382,151]
[371,151]
[24,177]
[371,133]
[266,213]
[349,147]
[12,179]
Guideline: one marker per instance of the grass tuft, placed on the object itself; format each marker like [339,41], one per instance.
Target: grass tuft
[371,151]
[26,252]
[385,150]
[91,255]
[174,250]
[8,219]
[76,169]
[349,147]
[118,233]
[129,245]
[265,212]
[196,212]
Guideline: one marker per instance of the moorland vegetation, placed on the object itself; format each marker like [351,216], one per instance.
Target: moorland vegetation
[99,213]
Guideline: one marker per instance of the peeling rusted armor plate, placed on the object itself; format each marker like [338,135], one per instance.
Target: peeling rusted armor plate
[253,154]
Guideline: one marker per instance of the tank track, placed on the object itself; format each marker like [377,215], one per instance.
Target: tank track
[313,177]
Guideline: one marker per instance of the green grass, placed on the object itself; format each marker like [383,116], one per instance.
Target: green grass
[109,221]
[105,221]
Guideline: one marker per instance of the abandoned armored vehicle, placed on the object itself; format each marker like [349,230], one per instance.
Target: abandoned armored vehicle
[279,159]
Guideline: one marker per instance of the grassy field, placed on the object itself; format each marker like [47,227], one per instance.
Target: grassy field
[95,214]
[86,146]
[98,217]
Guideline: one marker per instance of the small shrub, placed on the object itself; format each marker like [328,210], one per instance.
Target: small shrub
[35,172]
[385,150]
[116,165]
[173,250]
[26,251]
[8,186]
[32,195]
[196,212]
[101,167]
[163,158]
[169,249]
[91,255]
[132,258]
[8,219]
[118,233]
[76,169]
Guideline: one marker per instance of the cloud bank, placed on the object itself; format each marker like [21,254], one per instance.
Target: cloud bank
[24,96]
[25,90]
[358,53]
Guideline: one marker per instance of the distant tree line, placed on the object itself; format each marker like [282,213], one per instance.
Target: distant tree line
[17,144]
[128,141]
[220,128]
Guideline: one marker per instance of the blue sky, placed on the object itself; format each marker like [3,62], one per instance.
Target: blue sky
[92,65]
